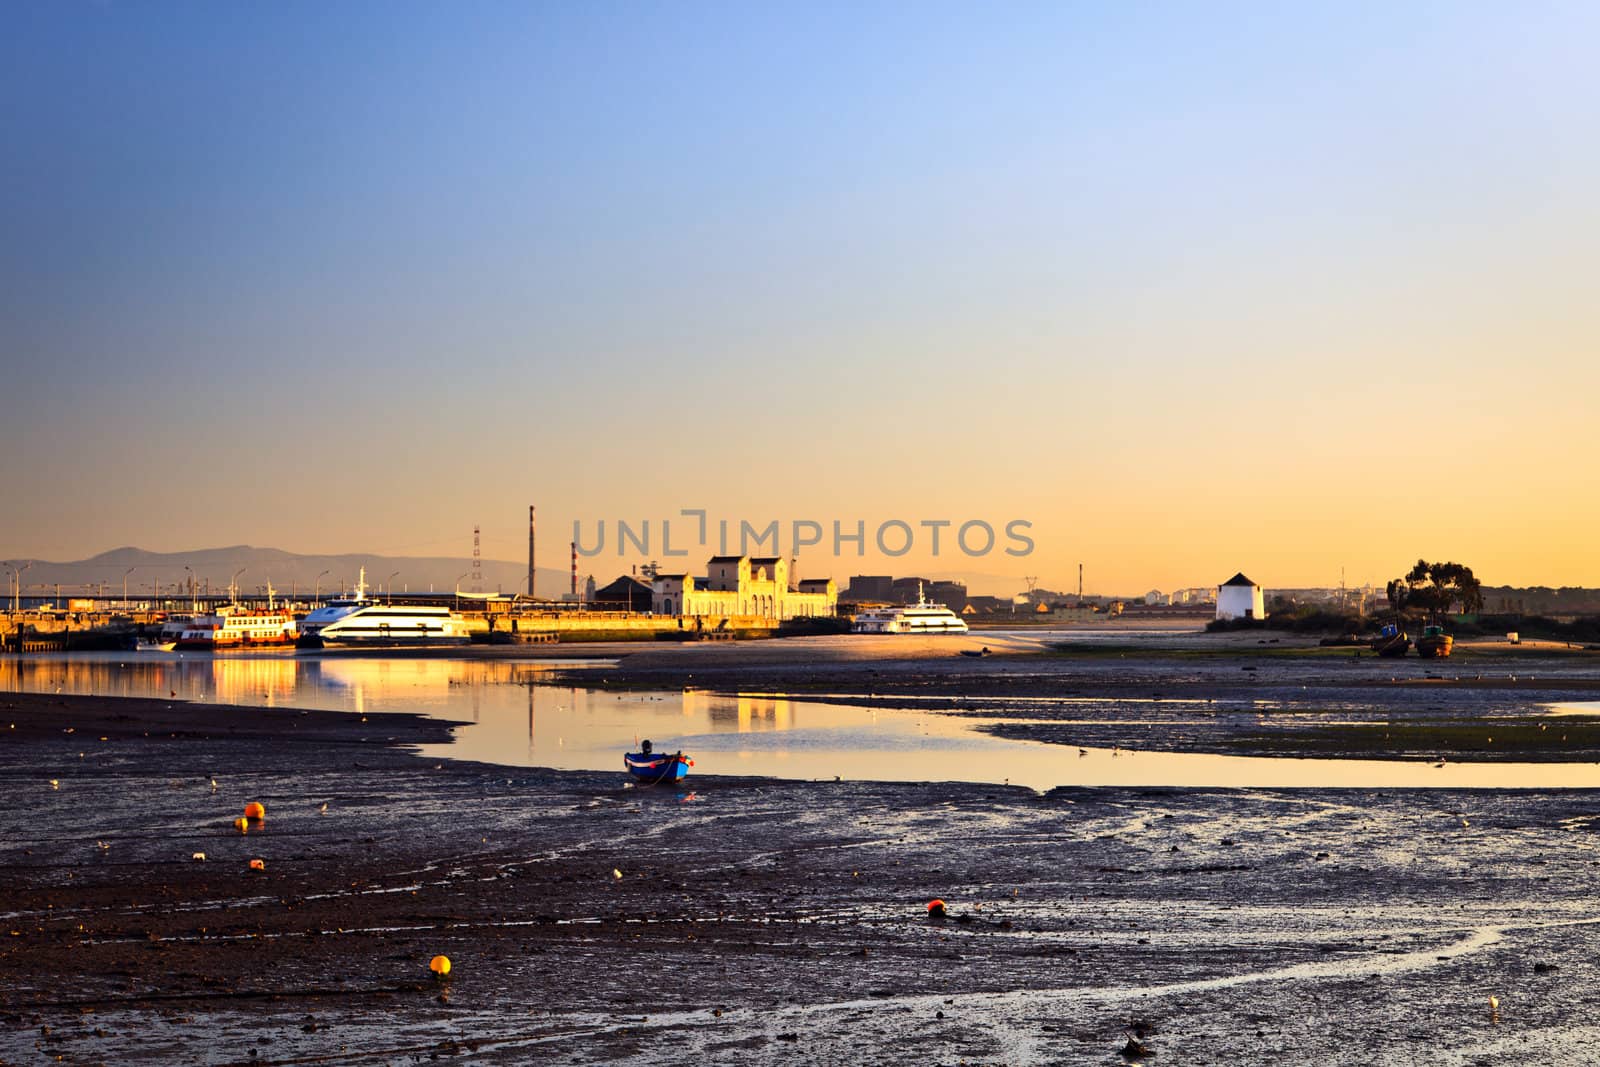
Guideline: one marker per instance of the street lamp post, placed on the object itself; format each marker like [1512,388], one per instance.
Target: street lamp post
[16,605]
[316,592]
[189,581]
[233,588]
[125,574]
[391,586]
[462,575]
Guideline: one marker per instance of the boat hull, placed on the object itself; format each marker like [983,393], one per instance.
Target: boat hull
[656,768]
[202,645]
[1435,647]
[391,641]
[1390,645]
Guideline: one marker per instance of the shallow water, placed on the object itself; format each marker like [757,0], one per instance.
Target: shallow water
[516,721]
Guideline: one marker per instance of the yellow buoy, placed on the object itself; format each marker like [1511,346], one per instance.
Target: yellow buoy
[258,865]
[242,825]
[439,965]
[254,810]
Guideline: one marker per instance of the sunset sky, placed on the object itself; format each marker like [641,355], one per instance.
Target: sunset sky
[1195,288]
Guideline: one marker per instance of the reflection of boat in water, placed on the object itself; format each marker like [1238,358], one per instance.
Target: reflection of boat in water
[923,617]
[1434,643]
[652,768]
[1391,641]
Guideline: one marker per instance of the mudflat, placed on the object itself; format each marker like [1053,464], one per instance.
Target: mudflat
[752,920]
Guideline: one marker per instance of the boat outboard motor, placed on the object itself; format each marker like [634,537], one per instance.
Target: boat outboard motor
[645,748]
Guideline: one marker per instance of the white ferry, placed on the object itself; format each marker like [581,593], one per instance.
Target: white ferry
[231,627]
[923,617]
[334,610]
[375,625]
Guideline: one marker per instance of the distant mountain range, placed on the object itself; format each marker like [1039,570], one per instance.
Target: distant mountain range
[286,570]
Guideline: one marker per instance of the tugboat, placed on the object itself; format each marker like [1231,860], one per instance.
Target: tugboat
[1391,641]
[1434,643]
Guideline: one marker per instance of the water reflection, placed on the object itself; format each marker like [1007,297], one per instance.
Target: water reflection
[515,720]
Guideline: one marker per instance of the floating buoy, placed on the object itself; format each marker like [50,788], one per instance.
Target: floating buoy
[439,965]
[242,825]
[258,865]
[254,810]
[616,874]
[54,784]
[936,909]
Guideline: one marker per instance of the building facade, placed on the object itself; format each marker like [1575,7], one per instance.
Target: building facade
[756,587]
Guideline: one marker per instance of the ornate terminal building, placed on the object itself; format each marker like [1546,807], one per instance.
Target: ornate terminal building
[756,587]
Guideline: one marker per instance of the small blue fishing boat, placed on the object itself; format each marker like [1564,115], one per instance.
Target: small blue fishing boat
[652,768]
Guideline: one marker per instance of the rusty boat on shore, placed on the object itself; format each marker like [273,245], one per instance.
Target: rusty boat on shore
[1434,643]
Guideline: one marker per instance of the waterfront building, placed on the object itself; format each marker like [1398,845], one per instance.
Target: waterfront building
[871,587]
[1240,598]
[625,594]
[744,586]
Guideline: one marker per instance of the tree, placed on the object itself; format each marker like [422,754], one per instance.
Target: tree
[1435,588]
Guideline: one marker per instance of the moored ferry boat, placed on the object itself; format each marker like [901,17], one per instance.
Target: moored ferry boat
[312,625]
[923,617]
[375,625]
[238,628]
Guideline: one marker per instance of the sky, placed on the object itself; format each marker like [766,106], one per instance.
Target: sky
[1191,288]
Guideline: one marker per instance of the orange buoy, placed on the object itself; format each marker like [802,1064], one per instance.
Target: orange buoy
[242,825]
[254,810]
[258,865]
[439,965]
[936,909]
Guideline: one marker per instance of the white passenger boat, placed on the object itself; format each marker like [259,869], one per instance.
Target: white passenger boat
[334,610]
[358,621]
[923,617]
[395,626]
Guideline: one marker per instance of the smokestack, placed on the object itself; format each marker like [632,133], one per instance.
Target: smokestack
[532,543]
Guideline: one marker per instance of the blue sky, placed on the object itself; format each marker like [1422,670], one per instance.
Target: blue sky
[306,274]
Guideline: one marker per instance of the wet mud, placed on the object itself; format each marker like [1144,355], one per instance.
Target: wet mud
[752,921]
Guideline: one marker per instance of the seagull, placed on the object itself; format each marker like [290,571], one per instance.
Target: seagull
[324,808]
[213,785]
[54,784]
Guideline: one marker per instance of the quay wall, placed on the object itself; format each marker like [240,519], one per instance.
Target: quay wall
[595,626]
